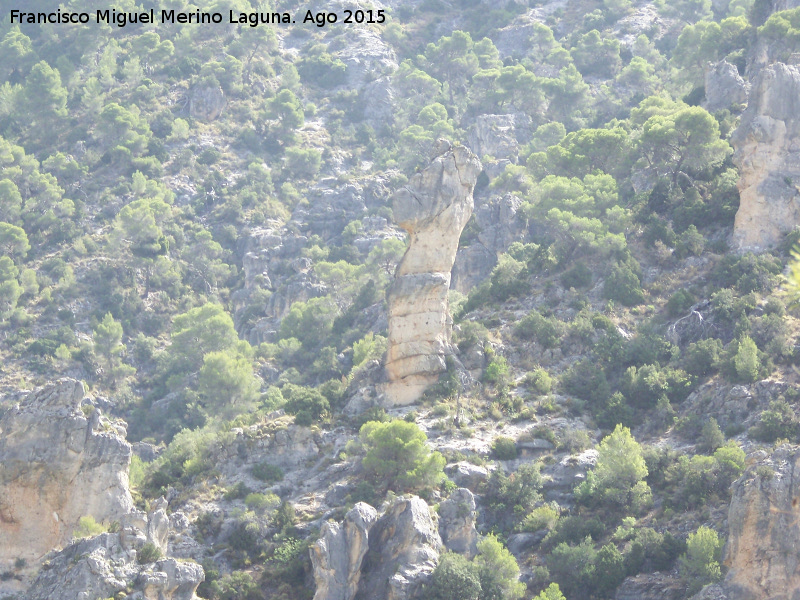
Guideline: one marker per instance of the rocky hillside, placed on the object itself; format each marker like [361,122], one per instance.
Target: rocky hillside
[439,300]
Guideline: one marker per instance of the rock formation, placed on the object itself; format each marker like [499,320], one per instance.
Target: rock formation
[457,516]
[724,87]
[386,558]
[337,556]
[433,208]
[56,465]
[764,528]
[101,566]
[767,144]
[207,102]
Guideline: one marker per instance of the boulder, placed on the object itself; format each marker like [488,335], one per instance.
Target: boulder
[467,475]
[404,550]
[457,517]
[206,103]
[336,557]
[433,208]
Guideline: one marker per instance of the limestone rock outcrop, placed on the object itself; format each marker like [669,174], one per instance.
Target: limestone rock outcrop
[724,87]
[457,516]
[764,529]
[101,566]
[386,558]
[337,556]
[767,152]
[404,550]
[207,103]
[58,464]
[433,208]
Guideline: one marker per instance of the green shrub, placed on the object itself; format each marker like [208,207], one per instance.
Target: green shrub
[538,381]
[700,564]
[88,527]
[588,382]
[504,448]
[619,469]
[623,285]
[746,360]
[237,492]
[515,493]
[701,358]
[509,278]
[149,553]
[306,404]
[542,517]
[264,471]
[455,578]
[679,303]
[546,331]
[778,422]
[397,456]
[579,276]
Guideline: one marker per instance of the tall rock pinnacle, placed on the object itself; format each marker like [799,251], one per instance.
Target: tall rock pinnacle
[433,208]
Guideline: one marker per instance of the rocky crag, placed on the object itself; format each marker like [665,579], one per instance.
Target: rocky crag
[767,152]
[60,460]
[112,563]
[391,556]
[764,526]
[433,208]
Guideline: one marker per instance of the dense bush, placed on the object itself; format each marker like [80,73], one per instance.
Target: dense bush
[306,404]
[397,456]
[546,331]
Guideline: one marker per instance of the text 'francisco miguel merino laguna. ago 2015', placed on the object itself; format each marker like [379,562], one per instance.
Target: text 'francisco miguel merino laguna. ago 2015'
[252,19]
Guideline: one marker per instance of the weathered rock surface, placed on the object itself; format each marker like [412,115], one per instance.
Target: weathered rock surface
[498,228]
[767,144]
[494,135]
[207,103]
[651,586]
[404,550]
[433,208]
[101,566]
[457,516]
[466,474]
[337,556]
[57,465]
[386,558]
[764,529]
[724,87]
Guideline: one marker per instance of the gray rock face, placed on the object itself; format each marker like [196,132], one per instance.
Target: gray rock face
[767,152]
[57,465]
[494,135]
[404,551]
[724,87]
[564,475]
[433,208]
[337,556]
[467,475]
[457,516]
[761,553]
[207,103]
[499,227]
[386,558]
[651,586]
[101,566]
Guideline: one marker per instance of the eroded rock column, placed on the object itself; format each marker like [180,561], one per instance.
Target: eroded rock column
[433,208]
[767,144]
